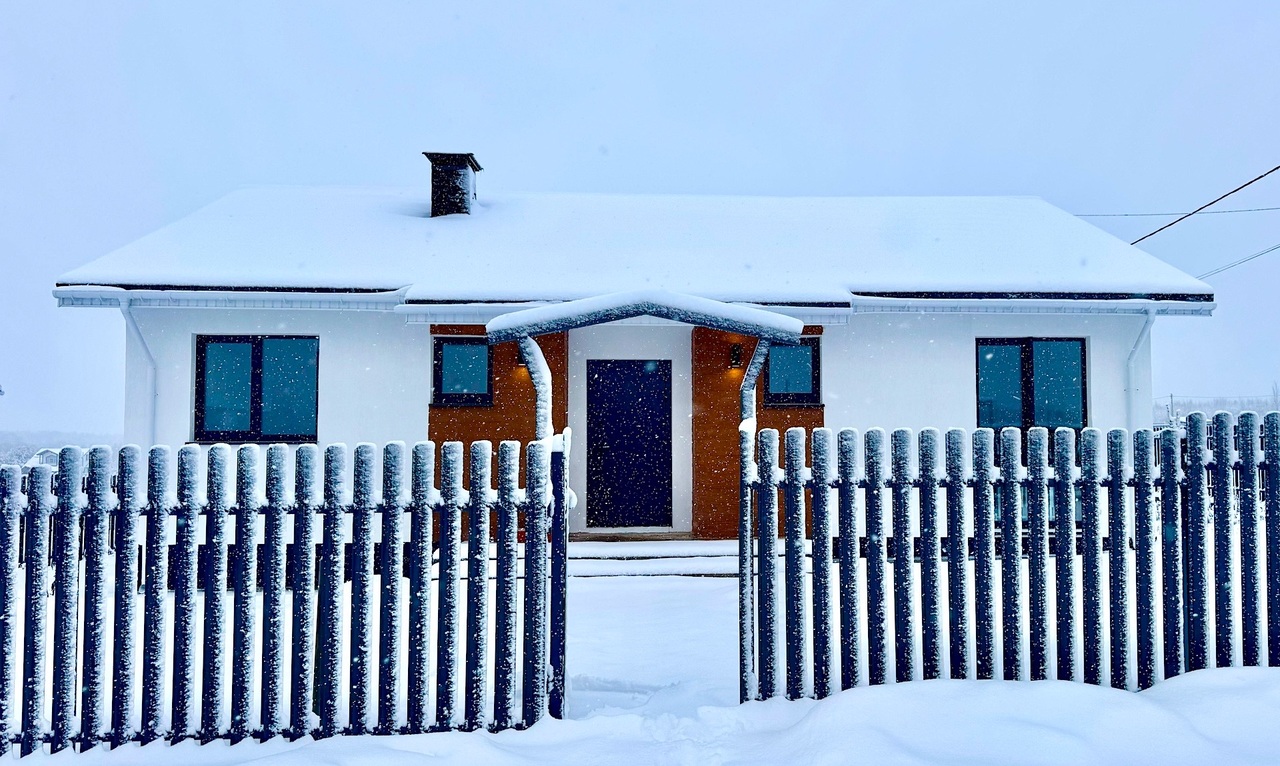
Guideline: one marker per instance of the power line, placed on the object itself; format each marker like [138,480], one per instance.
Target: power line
[1165,215]
[1233,264]
[1207,204]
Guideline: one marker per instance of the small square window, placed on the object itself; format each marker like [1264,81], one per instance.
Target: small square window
[252,388]
[1028,382]
[461,372]
[792,374]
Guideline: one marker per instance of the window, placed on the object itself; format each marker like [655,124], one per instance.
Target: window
[792,374]
[256,388]
[460,374]
[1027,382]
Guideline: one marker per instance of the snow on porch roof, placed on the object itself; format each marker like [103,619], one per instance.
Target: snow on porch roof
[689,309]
[559,247]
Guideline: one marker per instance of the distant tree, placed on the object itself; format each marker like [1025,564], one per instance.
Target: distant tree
[1275,395]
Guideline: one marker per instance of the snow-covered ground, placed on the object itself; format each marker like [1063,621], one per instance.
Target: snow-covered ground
[654,680]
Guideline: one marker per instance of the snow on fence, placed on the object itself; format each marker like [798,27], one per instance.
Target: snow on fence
[84,547]
[1122,561]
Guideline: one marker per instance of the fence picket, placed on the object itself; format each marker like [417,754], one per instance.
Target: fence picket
[302,663]
[1250,617]
[1171,560]
[767,510]
[215,593]
[930,554]
[535,583]
[477,585]
[124,638]
[184,596]
[847,499]
[1064,550]
[1118,555]
[1145,542]
[66,598]
[1038,552]
[748,683]
[900,484]
[157,577]
[1011,553]
[559,531]
[450,515]
[1224,596]
[39,509]
[92,661]
[360,671]
[271,710]
[244,581]
[957,556]
[1271,520]
[422,484]
[1091,541]
[821,489]
[794,516]
[329,634]
[873,484]
[10,513]
[984,553]
[1194,532]
[392,565]
[504,673]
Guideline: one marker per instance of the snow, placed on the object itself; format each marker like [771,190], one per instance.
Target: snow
[567,246]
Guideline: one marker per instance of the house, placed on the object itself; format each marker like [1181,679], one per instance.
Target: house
[355,314]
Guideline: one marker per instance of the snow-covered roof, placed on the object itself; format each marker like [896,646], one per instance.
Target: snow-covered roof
[568,246]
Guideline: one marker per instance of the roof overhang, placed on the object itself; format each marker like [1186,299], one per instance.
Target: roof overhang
[1197,305]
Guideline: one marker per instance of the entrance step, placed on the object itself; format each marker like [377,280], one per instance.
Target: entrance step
[649,557]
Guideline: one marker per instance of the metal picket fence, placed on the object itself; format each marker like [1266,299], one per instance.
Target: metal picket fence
[84,547]
[1123,560]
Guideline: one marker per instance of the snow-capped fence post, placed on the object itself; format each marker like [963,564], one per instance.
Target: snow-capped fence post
[1250,617]
[156,578]
[930,554]
[767,510]
[747,682]
[66,603]
[389,583]
[1064,550]
[984,552]
[450,514]
[92,663]
[329,635]
[900,483]
[794,517]
[1010,486]
[1091,539]
[10,512]
[559,575]
[477,666]
[123,681]
[1117,483]
[1271,523]
[1037,485]
[1197,575]
[957,556]
[244,581]
[360,669]
[847,510]
[504,671]
[1145,541]
[184,596]
[215,593]
[1224,595]
[873,487]
[537,487]
[823,475]
[39,509]
[1171,578]
[271,712]
[302,663]
[422,487]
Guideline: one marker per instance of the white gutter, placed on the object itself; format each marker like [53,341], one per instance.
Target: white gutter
[862,304]
[1130,371]
[152,390]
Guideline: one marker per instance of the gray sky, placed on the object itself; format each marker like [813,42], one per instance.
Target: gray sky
[118,118]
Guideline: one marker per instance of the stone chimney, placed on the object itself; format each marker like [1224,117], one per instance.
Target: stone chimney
[453,182]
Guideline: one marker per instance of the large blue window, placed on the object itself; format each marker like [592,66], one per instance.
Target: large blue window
[256,388]
[791,374]
[1027,382]
[461,372]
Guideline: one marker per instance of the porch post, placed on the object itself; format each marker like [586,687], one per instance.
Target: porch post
[746,559]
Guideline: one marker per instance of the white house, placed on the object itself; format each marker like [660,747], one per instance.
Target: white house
[355,314]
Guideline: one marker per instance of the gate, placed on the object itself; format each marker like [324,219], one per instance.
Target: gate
[345,621]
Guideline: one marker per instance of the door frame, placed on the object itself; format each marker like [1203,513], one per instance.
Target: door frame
[635,339]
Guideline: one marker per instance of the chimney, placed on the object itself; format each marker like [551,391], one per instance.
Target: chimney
[453,182]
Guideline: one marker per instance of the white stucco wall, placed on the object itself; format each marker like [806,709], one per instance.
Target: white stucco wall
[374,376]
[919,370]
[635,342]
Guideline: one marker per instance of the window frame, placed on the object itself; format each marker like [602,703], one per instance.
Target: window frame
[792,399]
[442,398]
[254,434]
[1027,374]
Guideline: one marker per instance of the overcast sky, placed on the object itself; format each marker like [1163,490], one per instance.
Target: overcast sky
[116,118]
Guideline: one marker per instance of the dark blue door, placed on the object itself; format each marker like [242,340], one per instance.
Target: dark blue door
[629,442]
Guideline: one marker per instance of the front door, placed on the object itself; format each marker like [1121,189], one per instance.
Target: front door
[629,443]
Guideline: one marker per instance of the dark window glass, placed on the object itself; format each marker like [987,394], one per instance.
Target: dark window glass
[792,374]
[1058,383]
[289,386]
[461,372]
[999,386]
[228,376]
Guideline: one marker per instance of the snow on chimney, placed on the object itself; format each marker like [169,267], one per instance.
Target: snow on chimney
[453,182]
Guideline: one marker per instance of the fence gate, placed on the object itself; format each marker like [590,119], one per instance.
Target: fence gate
[326,605]
[1116,560]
